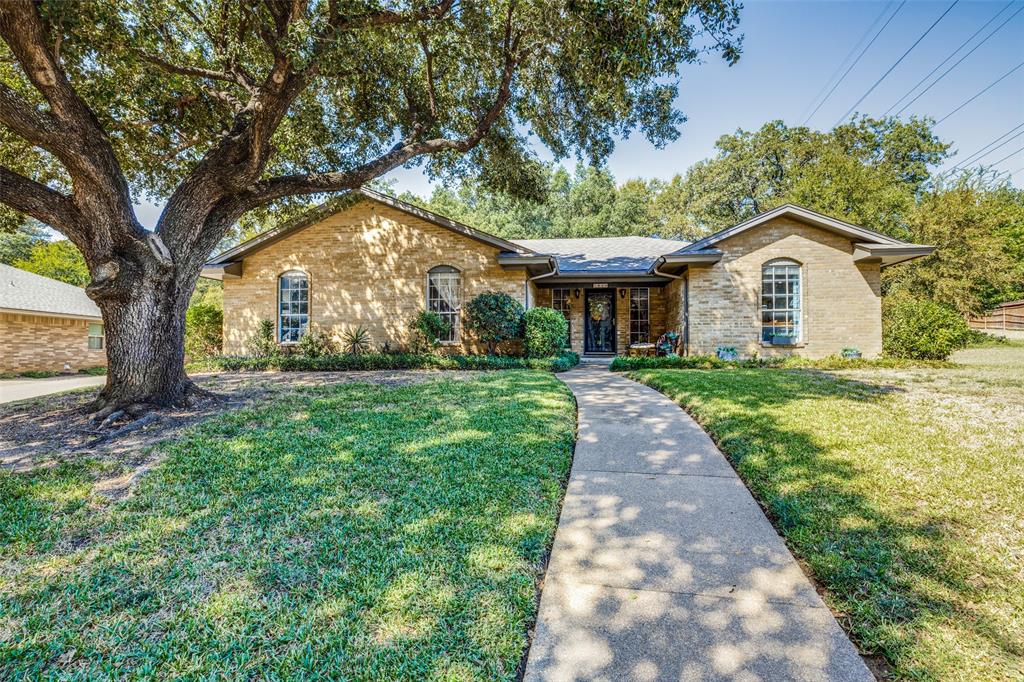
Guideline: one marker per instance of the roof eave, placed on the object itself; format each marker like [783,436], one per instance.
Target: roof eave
[890,254]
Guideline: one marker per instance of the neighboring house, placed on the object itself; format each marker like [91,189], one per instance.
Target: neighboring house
[47,325]
[1006,319]
[787,281]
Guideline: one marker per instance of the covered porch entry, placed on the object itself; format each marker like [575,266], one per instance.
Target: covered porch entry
[610,318]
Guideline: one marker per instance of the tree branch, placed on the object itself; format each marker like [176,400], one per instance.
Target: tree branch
[390,18]
[42,203]
[237,77]
[34,125]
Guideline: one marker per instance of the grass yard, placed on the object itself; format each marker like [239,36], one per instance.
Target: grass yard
[902,490]
[345,532]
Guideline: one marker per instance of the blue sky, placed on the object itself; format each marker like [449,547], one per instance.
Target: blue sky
[793,49]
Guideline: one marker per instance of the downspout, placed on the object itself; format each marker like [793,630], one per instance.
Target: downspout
[686,300]
[554,271]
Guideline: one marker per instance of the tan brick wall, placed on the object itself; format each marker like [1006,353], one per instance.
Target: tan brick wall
[367,265]
[44,343]
[841,299]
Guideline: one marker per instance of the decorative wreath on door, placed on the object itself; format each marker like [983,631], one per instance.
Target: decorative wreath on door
[598,309]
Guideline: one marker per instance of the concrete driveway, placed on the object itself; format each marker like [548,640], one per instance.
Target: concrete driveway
[664,567]
[20,389]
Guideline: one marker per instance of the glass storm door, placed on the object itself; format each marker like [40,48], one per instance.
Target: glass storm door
[600,322]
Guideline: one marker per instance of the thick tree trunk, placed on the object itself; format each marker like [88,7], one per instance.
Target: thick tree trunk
[145,334]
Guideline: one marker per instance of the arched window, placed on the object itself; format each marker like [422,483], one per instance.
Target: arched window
[781,303]
[443,284]
[292,306]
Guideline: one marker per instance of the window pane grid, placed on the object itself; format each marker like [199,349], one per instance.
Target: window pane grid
[560,302]
[293,307]
[95,337]
[639,316]
[780,302]
[443,299]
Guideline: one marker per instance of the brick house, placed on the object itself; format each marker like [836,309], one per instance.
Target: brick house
[786,281]
[47,325]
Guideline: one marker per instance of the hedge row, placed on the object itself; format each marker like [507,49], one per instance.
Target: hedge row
[627,364]
[371,361]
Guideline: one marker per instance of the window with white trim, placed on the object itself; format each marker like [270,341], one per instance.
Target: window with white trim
[443,284]
[781,302]
[293,306]
[95,336]
[639,315]
[560,302]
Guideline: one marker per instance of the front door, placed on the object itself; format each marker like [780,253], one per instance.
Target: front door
[600,322]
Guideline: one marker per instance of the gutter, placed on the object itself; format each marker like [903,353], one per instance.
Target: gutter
[686,299]
[553,264]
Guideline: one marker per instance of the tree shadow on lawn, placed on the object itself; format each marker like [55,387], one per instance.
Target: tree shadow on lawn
[889,574]
[360,531]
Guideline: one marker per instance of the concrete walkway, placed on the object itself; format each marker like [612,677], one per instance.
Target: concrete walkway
[20,389]
[664,566]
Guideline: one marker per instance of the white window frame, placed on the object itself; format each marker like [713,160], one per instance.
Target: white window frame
[303,326]
[797,313]
[454,316]
[100,336]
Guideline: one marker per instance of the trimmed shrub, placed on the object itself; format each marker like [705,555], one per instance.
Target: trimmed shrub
[546,332]
[263,344]
[316,343]
[371,361]
[494,317]
[426,331]
[920,329]
[204,323]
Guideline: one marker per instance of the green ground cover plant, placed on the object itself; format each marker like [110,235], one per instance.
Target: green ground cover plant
[902,489]
[630,364]
[354,530]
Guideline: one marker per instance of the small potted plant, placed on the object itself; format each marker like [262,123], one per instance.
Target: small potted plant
[851,353]
[727,353]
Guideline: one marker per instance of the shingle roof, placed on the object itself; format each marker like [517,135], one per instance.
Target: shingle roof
[20,290]
[604,254]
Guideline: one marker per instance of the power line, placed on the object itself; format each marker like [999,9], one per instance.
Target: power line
[855,61]
[985,151]
[897,63]
[951,55]
[996,163]
[969,53]
[885,9]
[979,94]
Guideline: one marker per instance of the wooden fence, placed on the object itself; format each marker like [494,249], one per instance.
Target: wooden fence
[999,319]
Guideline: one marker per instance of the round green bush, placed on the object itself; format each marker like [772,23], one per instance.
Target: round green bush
[547,332]
[919,329]
[494,317]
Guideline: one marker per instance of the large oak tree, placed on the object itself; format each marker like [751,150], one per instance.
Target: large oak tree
[223,107]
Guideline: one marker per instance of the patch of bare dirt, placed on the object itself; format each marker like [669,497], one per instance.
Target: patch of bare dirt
[46,431]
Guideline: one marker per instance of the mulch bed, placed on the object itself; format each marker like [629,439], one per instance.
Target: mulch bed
[43,432]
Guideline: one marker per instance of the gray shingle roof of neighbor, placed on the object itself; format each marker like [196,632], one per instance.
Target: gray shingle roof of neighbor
[32,293]
[604,254]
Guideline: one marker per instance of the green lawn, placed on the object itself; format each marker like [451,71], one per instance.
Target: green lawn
[902,490]
[348,532]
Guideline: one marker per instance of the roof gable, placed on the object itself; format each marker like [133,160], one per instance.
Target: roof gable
[800,213]
[345,201]
[32,293]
